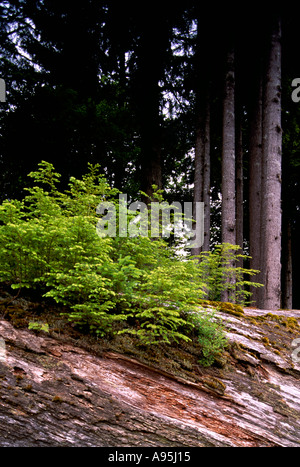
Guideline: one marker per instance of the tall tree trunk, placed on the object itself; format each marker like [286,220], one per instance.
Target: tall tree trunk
[288,214]
[239,150]
[239,187]
[206,177]
[239,180]
[255,194]
[287,266]
[228,161]
[198,168]
[228,156]
[271,179]
[202,144]
[202,170]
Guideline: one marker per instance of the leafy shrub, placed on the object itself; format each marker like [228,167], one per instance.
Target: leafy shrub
[211,336]
[49,240]
[165,300]
[109,285]
[217,272]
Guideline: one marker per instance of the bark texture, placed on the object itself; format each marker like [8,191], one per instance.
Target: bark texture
[228,156]
[53,392]
[228,216]
[271,177]
[287,266]
[202,170]
[202,143]
[255,188]
[206,180]
[239,188]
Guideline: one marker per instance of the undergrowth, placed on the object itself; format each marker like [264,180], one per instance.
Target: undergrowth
[110,285]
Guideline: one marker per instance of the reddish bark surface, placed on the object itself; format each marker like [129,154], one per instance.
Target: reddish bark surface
[54,393]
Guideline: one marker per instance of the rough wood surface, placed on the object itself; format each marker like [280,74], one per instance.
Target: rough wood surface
[55,393]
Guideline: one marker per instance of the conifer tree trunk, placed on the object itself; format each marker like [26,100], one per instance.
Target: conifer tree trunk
[255,194]
[287,266]
[202,144]
[199,169]
[239,187]
[228,160]
[239,151]
[202,171]
[288,215]
[228,156]
[239,182]
[271,176]
[206,178]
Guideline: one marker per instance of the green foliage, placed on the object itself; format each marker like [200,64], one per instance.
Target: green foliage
[36,326]
[211,336]
[166,298]
[218,270]
[108,285]
[50,240]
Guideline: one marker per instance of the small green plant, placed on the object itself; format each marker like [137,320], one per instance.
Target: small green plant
[210,334]
[165,300]
[37,326]
[217,272]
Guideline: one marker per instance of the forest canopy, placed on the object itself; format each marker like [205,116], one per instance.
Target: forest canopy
[194,100]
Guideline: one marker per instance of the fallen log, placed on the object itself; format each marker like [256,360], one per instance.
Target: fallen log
[54,392]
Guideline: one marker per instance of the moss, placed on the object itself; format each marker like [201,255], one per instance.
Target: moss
[15,314]
[57,399]
[221,360]
[47,361]
[28,388]
[213,383]
[281,407]
[289,322]
[250,371]
[187,364]
[252,320]
[19,377]
[226,307]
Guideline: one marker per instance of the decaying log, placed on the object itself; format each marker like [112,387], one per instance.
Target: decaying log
[56,393]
